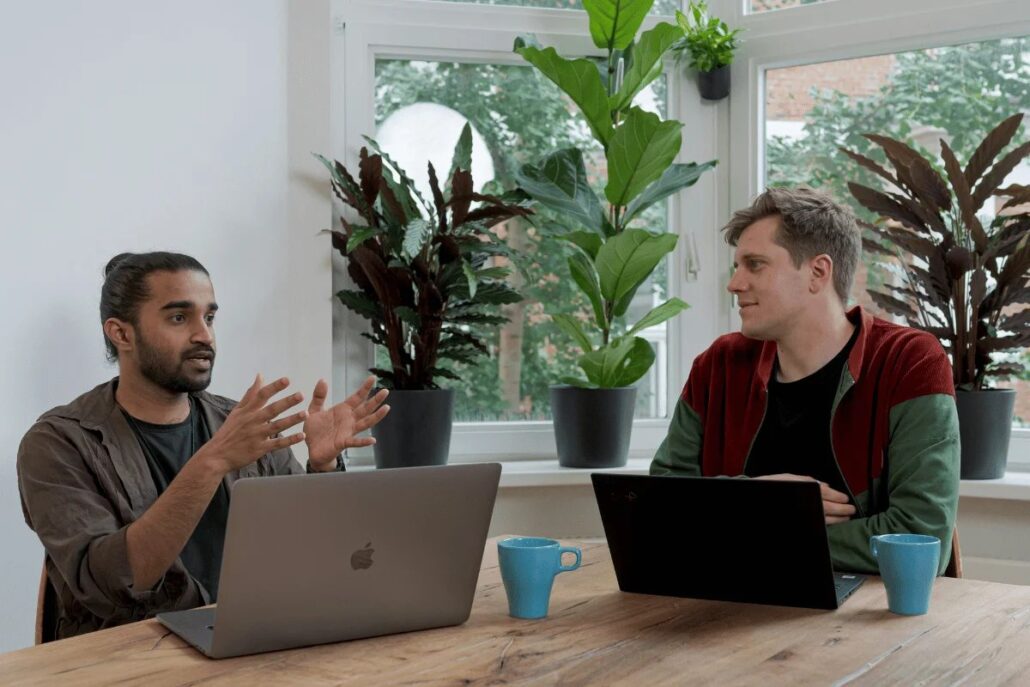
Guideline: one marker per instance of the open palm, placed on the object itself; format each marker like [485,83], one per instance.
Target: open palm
[331,430]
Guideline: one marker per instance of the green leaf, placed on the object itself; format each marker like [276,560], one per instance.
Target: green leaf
[408,316]
[624,261]
[359,236]
[415,235]
[590,243]
[561,184]
[640,151]
[622,304]
[620,363]
[571,326]
[470,275]
[676,177]
[361,304]
[661,313]
[405,180]
[492,273]
[462,152]
[614,23]
[496,293]
[585,275]
[647,63]
[578,78]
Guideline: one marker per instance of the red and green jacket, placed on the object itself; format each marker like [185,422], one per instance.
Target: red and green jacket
[893,425]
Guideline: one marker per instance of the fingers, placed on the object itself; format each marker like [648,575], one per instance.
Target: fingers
[269,390]
[287,422]
[831,508]
[371,420]
[371,404]
[274,409]
[355,399]
[283,442]
[251,390]
[787,477]
[318,396]
[359,442]
[830,494]
[834,520]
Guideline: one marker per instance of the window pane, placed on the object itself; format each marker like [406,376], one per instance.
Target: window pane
[663,7]
[518,116]
[769,5]
[958,93]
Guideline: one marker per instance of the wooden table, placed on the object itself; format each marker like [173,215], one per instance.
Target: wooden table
[976,633]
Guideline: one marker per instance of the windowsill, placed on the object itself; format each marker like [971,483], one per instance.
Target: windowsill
[1014,486]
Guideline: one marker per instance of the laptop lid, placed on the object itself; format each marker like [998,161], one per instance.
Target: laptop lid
[311,559]
[743,540]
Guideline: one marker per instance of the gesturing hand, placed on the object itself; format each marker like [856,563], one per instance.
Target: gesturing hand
[250,430]
[835,504]
[331,430]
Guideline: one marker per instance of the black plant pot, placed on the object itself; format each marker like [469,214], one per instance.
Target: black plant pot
[416,431]
[714,85]
[985,425]
[592,426]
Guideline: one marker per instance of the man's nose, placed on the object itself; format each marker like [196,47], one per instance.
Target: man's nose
[203,333]
[736,282]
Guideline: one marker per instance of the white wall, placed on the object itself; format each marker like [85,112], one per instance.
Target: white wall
[129,125]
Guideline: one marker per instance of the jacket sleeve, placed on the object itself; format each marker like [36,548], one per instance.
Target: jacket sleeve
[680,453]
[922,483]
[83,535]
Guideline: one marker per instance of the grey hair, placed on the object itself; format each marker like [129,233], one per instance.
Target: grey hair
[811,224]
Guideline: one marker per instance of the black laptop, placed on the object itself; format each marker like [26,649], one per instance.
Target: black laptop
[746,540]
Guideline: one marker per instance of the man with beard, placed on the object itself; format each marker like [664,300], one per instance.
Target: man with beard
[128,485]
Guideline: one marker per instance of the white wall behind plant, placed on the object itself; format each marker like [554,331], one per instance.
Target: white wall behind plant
[140,126]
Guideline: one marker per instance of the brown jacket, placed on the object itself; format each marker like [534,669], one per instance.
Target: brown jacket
[83,479]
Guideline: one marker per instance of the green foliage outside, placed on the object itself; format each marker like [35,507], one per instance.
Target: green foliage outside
[522,117]
[964,90]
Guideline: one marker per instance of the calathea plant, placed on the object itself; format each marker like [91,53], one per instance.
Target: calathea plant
[613,257]
[966,283]
[420,267]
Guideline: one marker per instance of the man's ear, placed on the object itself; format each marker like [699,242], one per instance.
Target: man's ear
[822,273]
[120,334]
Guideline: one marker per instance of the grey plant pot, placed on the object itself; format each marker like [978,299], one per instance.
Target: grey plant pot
[416,431]
[592,426]
[714,85]
[985,425]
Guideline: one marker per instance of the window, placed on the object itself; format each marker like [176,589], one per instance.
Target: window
[518,116]
[958,93]
[769,5]
[668,7]
[820,75]
[417,80]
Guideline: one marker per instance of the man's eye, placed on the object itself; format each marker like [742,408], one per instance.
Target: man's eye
[178,317]
[210,319]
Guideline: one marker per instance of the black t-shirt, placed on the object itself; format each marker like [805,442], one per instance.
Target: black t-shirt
[167,448]
[795,435]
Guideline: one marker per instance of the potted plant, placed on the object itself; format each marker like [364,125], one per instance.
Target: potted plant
[423,283]
[710,44]
[965,283]
[612,259]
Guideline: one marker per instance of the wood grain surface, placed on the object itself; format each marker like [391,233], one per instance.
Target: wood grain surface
[976,633]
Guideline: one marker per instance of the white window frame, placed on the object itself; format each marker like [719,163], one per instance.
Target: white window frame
[366,30]
[846,29]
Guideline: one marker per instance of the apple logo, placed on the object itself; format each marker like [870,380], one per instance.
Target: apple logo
[362,558]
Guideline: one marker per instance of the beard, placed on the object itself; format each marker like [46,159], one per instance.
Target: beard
[174,373]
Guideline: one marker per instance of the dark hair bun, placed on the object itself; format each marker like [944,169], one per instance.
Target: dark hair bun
[115,261]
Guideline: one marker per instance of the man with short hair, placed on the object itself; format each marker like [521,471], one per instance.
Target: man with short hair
[811,391]
[128,485]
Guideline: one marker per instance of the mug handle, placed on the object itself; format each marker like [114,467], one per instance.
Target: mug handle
[872,547]
[573,550]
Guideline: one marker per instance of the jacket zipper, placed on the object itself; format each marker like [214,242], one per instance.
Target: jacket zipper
[765,410]
[833,452]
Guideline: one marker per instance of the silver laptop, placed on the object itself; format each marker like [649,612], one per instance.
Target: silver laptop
[312,559]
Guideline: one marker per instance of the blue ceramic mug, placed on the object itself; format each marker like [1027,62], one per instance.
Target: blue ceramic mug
[908,566]
[528,568]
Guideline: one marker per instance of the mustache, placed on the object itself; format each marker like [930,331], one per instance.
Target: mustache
[199,351]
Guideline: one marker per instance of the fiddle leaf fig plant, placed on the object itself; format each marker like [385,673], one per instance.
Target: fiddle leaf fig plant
[419,266]
[967,282]
[612,259]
